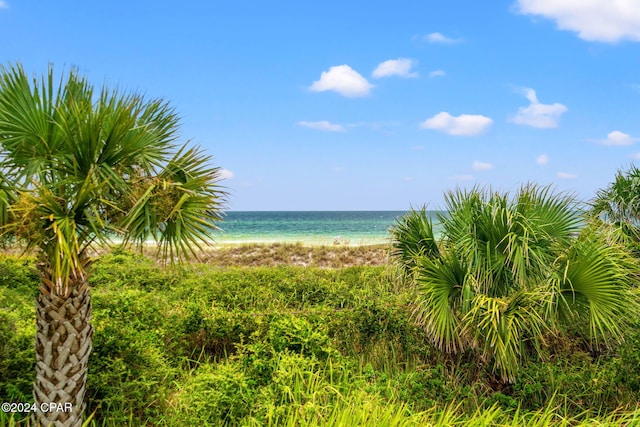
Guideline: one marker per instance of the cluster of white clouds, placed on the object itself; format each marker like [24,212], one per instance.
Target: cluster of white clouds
[346,81]
[607,21]
[594,20]
[349,83]
[536,115]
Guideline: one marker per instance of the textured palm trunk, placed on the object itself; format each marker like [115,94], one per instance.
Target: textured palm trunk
[63,344]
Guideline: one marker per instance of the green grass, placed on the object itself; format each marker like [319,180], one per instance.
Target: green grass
[288,345]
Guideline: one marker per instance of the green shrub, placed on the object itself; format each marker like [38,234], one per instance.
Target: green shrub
[214,330]
[17,354]
[216,395]
[18,287]
[127,269]
[298,335]
[19,275]
[130,370]
[628,366]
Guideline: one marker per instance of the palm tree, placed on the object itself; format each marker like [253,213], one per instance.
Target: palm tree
[78,167]
[618,207]
[507,271]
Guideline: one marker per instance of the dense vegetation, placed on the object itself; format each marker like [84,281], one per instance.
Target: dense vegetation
[78,165]
[509,271]
[288,345]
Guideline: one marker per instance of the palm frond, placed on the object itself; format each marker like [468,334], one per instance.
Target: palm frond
[412,236]
[594,281]
[180,208]
[500,327]
[441,294]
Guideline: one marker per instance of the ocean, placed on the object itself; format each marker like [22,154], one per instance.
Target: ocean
[322,227]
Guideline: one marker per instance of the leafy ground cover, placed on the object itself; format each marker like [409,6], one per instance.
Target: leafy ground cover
[219,344]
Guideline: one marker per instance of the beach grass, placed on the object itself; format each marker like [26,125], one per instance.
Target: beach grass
[300,254]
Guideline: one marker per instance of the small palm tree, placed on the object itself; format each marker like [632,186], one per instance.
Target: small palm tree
[78,167]
[506,271]
[618,208]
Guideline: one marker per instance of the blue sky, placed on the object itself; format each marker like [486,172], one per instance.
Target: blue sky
[358,105]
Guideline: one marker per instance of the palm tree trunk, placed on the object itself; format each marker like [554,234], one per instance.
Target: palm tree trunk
[63,344]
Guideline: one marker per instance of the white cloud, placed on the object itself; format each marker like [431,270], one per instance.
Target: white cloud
[566,175]
[481,166]
[465,124]
[618,138]
[440,38]
[635,156]
[400,67]
[593,20]
[4,5]
[225,174]
[464,177]
[407,178]
[437,73]
[538,115]
[344,80]
[323,125]
[542,159]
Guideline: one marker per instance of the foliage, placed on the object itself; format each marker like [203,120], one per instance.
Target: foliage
[292,346]
[618,206]
[507,272]
[412,236]
[18,283]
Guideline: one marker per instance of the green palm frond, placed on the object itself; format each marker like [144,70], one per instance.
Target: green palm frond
[593,282]
[442,292]
[412,236]
[500,327]
[180,208]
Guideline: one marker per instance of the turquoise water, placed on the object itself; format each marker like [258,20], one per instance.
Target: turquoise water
[336,227]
